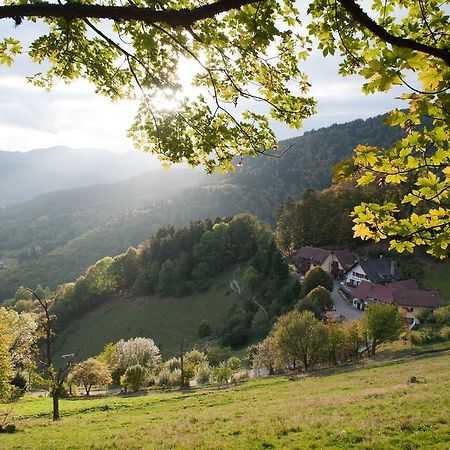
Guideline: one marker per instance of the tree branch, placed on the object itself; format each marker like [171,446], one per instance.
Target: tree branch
[364,20]
[172,17]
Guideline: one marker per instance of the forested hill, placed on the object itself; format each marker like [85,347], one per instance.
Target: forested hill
[307,163]
[56,248]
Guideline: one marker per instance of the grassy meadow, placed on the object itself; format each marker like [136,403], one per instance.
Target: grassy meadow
[166,320]
[437,276]
[366,408]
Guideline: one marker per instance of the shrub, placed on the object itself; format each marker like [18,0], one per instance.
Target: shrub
[222,374]
[204,329]
[445,333]
[203,374]
[443,315]
[134,377]
[167,378]
[234,363]
[163,379]
[416,337]
[423,315]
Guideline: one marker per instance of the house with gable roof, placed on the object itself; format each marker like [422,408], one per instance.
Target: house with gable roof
[336,263]
[405,294]
[376,270]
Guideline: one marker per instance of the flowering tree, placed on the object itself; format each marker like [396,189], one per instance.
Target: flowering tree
[141,351]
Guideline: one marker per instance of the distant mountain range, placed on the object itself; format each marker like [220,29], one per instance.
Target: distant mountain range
[56,236]
[23,175]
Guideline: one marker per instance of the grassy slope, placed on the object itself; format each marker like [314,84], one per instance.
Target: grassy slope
[369,408]
[166,320]
[437,276]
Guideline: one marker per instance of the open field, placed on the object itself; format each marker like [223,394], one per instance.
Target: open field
[437,276]
[370,408]
[166,320]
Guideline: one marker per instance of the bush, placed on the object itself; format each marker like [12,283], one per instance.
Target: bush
[203,374]
[423,315]
[134,377]
[234,363]
[222,374]
[443,315]
[445,333]
[167,378]
[416,338]
[204,329]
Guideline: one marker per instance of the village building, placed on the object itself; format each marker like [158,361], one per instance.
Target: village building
[336,263]
[405,294]
[376,270]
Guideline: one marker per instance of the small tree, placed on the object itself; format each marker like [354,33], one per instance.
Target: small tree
[222,374]
[265,356]
[204,329]
[6,367]
[316,277]
[336,342]
[193,360]
[353,338]
[234,363]
[58,377]
[300,337]
[382,323]
[91,373]
[134,377]
[138,351]
[320,297]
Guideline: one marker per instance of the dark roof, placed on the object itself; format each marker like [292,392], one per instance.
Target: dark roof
[346,258]
[401,293]
[415,298]
[381,270]
[319,255]
[313,254]
[367,291]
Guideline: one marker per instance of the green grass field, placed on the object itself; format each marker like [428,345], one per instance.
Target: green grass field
[166,320]
[370,408]
[437,276]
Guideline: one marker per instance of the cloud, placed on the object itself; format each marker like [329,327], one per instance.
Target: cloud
[74,115]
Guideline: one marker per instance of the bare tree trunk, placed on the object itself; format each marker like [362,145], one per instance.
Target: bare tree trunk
[56,415]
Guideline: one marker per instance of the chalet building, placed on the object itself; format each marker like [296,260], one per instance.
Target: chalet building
[404,294]
[376,270]
[335,263]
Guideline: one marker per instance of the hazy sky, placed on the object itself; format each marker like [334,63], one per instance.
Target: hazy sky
[75,116]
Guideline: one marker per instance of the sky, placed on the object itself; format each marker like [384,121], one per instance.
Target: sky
[73,115]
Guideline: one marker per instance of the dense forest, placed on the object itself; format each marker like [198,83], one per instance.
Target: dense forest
[322,218]
[55,247]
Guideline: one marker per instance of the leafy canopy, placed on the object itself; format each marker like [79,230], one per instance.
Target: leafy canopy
[248,52]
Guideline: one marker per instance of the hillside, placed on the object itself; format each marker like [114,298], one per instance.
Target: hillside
[23,175]
[365,408]
[167,320]
[258,186]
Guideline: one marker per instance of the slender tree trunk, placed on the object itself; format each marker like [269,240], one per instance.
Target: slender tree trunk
[374,346]
[182,364]
[56,415]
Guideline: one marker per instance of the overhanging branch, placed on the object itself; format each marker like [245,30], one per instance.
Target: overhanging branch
[364,20]
[172,17]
